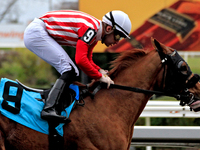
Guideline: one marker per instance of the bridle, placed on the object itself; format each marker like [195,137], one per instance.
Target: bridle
[173,63]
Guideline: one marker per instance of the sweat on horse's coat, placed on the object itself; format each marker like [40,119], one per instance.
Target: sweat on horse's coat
[30,108]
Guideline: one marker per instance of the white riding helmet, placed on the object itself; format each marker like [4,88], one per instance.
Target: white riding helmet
[119,21]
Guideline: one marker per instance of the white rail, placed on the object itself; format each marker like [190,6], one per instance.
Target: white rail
[185,136]
[167,109]
[186,54]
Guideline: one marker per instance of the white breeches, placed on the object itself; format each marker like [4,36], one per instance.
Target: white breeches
[37,40]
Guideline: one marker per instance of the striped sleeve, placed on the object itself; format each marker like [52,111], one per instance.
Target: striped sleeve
[64,26]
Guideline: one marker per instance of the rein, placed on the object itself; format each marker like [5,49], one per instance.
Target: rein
[186,95]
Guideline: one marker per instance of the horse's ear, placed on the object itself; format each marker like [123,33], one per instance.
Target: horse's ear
[156,44]
[161,47]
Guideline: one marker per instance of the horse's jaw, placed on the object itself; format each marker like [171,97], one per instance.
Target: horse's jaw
[196,90]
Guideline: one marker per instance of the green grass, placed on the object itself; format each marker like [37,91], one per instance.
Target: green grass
[165,98]
[194,62]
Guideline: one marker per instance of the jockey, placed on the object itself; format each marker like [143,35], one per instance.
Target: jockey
[45,35]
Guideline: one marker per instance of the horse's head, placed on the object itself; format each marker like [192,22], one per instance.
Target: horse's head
[161,69]
[179,76]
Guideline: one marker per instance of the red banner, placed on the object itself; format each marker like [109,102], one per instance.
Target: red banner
[177,26]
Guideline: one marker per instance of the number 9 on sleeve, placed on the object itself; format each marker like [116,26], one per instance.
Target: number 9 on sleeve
[88,36]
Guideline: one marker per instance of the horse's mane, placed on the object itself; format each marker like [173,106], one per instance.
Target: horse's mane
[125,59]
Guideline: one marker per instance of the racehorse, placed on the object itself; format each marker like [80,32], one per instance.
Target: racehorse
[106,122]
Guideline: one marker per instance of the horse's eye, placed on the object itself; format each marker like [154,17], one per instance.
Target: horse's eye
[180,63]
[183,68]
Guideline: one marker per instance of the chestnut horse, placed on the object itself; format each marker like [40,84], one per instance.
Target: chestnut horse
[107,121]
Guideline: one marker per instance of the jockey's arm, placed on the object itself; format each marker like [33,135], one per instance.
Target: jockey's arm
[83,62]
[90,69]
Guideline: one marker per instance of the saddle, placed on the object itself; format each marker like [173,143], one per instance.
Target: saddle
[70,94]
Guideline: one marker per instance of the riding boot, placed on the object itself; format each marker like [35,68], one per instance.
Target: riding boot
[49,112]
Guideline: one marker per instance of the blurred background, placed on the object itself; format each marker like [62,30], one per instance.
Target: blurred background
[176,23]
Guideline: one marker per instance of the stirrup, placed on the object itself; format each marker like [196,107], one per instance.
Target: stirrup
[54,117]
[50,115]
[67,120]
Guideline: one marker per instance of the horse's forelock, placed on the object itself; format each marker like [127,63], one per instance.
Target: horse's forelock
[125,59]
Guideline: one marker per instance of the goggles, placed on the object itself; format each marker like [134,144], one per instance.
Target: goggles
[118,35]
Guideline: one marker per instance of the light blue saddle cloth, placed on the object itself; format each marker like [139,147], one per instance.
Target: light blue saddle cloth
[25,108]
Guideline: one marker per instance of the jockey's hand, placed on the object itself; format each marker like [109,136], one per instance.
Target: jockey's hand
[102,71]
[195,105]
[106,79]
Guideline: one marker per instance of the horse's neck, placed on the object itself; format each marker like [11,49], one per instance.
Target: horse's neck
[132,103]
[142,74]
[129,105]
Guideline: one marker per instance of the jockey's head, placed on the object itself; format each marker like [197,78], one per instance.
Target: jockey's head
[120,23]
